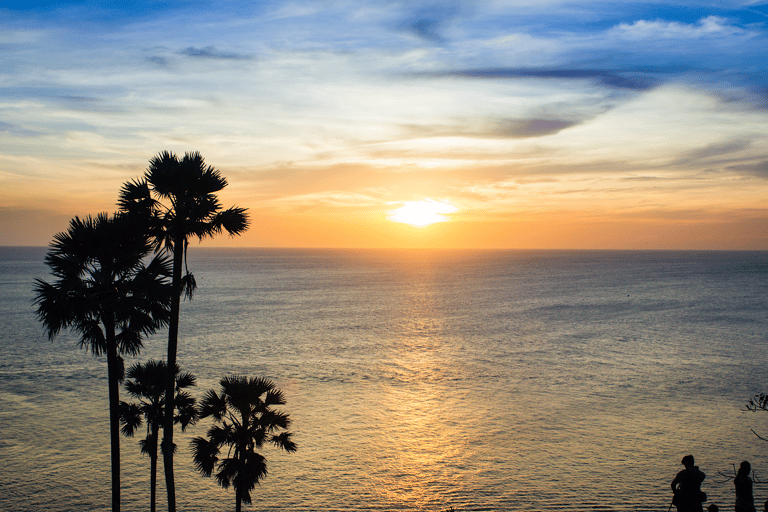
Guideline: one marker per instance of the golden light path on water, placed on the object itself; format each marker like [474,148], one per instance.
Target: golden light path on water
[425,439]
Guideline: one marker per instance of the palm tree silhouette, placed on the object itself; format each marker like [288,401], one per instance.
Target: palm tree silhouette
[146,383]
[178,197]
[245,421]
[105,292]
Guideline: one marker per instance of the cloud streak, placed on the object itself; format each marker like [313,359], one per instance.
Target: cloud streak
[710,27]
[211,52]
[608,78]
[759,169]
[17,130]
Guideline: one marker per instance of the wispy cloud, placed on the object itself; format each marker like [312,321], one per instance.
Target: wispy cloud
[708,27]
[608,78]
[211,52]
[512,128]
[713,151]
[17,130]
[158,60]
[427,21]
[520,128]
[759,169]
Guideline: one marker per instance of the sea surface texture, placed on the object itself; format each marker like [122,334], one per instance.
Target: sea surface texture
[421,380]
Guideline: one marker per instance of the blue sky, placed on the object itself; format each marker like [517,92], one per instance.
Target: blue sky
[542,123]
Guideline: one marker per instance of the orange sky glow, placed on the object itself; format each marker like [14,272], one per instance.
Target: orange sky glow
[643,133]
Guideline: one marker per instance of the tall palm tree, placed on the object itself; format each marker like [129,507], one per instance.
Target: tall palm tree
[178,197]
[105,291]
[244,421]
[146,383]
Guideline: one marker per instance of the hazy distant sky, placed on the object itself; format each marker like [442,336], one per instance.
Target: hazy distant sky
[545,124]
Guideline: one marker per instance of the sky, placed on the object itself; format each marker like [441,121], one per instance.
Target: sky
[526,124]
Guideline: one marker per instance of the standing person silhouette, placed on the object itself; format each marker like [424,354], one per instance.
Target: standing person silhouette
[687,487]
[745,502]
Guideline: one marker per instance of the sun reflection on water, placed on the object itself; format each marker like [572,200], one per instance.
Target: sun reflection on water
[425,441]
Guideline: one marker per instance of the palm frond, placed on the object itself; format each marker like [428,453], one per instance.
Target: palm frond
[221,434]
[135,197]
[51,307]
[91,335]
[228,471]
[160,266]
[150,290]
[274,397]
[148,445]
[187,415]
[213,405]
[204,455]
[206,179]
[187,412]
[188,285]
[185,380]
[284,441]
[129,340]
[233,220]
[272,420]
[131,418]
[147,380]
[254,471]
[260,386]
[163,174]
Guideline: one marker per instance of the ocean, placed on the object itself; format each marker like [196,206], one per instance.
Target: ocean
[421,380]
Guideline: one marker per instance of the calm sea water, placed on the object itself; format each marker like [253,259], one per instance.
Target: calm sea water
[422,380]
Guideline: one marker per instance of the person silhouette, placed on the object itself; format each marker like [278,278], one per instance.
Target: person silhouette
[686,487]
[745,502]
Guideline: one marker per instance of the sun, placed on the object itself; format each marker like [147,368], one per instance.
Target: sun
[422,213]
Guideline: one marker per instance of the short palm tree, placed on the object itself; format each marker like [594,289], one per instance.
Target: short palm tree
[178,197]
[146,383]
[245,421]
[108,293]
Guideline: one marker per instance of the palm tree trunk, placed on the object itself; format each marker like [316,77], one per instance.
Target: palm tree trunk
[170,383]
[153,438]
[153,472]
[114,410]
[238,501]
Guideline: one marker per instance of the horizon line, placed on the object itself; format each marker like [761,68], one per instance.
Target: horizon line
[403,248]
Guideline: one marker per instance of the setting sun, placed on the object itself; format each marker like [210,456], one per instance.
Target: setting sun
[422,213]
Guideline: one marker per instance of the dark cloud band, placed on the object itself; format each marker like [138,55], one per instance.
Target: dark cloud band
[210,52]
[609,78]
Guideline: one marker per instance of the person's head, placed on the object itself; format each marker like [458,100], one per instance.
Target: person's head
[687,461]
[712,508]
[744,468]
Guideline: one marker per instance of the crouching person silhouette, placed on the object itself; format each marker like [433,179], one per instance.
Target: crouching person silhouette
[687,487]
